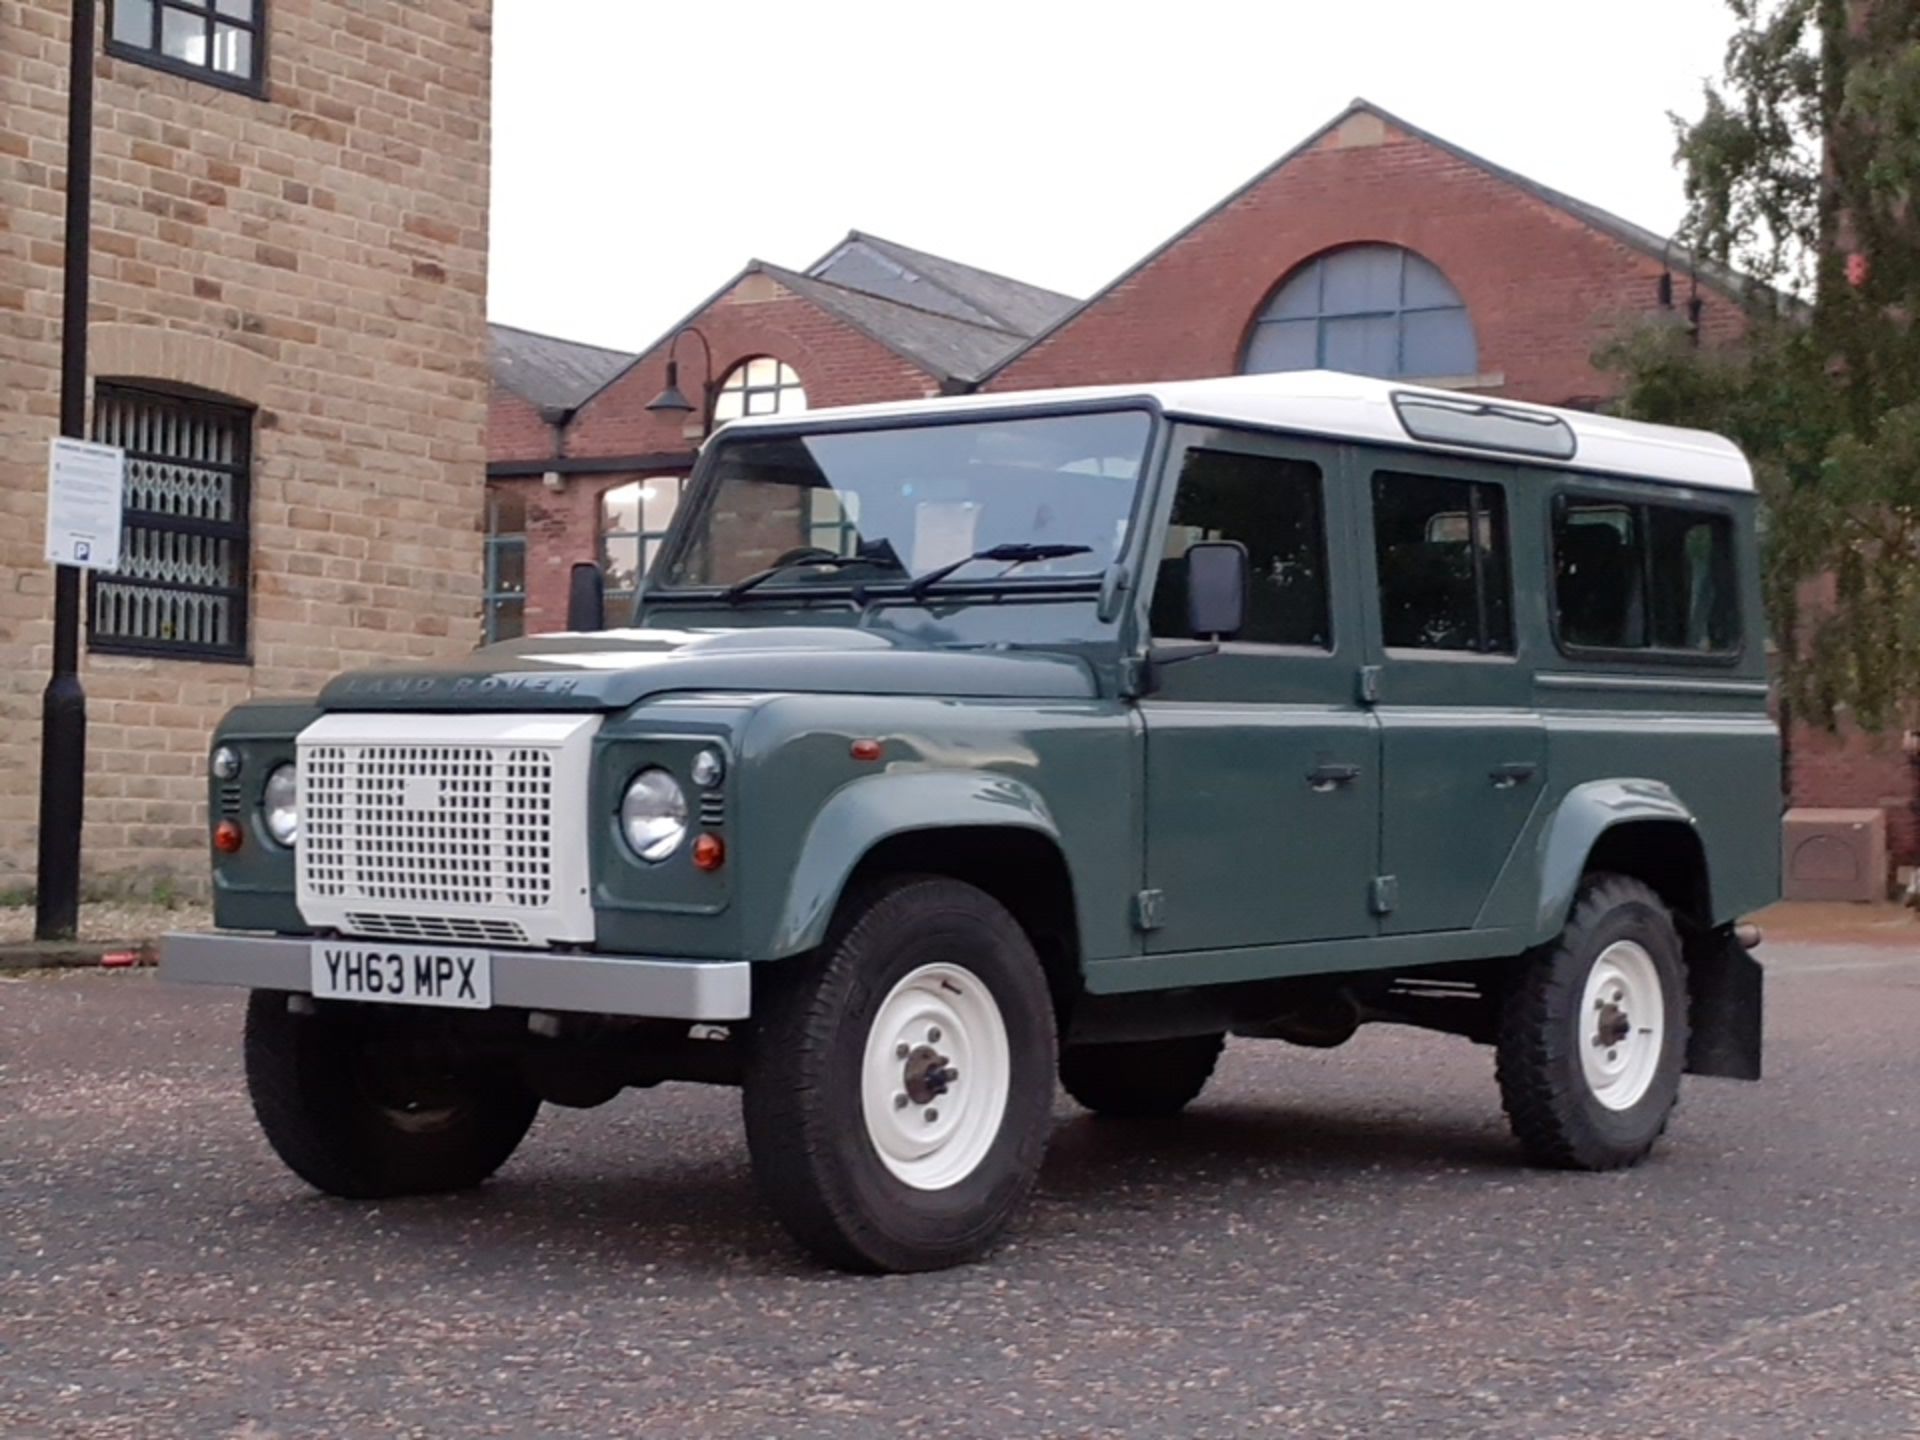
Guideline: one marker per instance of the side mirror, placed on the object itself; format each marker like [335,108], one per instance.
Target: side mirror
[586,598]
[1216,589]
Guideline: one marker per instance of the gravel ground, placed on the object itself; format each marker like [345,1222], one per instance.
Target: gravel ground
[111,920]
[1329,1244]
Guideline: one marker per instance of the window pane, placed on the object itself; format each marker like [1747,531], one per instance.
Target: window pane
[1598,573]
[763,371]
[237,9]
[506,620]
[1426,286]
[728,405]
[232,50]
[1694,599]
[1283,345]
[1368,346]
[620,558]
[507,511]
[1365,278]
[1438,342]
[659,498]
[183,36]
[133,22]
[620,508]
[1272,506]
[509,567]
[1299,297]
[1441,550]
[762,402]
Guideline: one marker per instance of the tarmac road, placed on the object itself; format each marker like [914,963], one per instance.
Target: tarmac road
[1329,1244]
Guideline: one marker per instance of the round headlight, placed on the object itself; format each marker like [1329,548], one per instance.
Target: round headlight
[280,804]
[708,768]
[225,763]
[654,815]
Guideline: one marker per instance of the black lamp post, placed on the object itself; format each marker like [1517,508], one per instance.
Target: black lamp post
[63,708]
[671,401]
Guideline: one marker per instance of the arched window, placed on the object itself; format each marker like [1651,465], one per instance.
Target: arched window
[760,386]
[633,521]
[1367,309]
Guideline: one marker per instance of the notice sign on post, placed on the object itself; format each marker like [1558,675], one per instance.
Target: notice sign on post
[86,485]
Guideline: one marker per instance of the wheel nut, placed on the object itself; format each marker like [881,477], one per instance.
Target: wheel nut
[900,1052]
[933,1036]
[900,1100]
[931,1116]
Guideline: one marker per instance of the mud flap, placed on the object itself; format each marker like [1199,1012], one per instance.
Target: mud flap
[1724,984]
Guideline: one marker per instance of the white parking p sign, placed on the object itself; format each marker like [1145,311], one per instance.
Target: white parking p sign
[86,491]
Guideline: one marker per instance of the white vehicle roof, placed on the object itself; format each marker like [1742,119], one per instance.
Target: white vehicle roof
[1357,407]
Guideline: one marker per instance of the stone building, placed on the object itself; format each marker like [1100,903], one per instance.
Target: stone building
[288,335]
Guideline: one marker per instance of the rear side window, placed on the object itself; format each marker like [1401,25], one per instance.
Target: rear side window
[1633,576]
[1441,549]
[1273,506]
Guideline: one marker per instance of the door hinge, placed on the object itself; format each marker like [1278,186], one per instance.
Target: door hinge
[1150,909]
[1382,894]
[1369,684]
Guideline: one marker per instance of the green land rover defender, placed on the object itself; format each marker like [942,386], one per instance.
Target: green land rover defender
[961,744]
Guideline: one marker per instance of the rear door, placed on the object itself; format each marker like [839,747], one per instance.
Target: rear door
[1463,751]
[1263,770]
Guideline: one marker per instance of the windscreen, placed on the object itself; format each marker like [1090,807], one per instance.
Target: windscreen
[899,503]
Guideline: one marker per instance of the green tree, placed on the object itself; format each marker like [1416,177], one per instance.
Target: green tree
[1801,173]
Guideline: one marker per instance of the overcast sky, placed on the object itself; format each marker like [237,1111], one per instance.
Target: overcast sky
[643,150]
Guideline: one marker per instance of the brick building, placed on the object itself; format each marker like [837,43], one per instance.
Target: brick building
[288,334]
[1372,246]
[578,465]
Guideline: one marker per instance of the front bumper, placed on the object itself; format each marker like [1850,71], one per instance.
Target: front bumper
[717,991]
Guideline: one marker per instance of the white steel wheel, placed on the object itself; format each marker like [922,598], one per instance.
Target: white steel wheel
[935,1076]
[1622,1025]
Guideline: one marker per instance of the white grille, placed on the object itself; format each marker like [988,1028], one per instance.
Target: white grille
[446,826]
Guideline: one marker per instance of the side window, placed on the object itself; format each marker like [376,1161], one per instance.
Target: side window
[1441,550]
[1630,576]
[1271,505]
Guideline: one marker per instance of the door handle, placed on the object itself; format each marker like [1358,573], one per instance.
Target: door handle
[1511,774]
[1323,778]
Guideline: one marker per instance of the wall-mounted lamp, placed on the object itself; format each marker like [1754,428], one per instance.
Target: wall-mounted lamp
[671,400]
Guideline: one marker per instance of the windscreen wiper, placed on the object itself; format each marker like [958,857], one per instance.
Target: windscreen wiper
[824,559]
[1015,553]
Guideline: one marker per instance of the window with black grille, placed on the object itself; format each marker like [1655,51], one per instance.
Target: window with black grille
[181,588]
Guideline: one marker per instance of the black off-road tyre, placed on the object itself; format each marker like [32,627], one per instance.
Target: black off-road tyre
[814,1156]
[1553,1107]
[1140,1079]
[349,1104]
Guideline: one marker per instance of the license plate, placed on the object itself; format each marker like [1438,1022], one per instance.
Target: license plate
[402,974]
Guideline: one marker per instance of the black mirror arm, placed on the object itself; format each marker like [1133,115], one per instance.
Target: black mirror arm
[1162,653]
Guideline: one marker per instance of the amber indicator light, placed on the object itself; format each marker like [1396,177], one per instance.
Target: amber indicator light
[227,837]
[709,852]
[865,749]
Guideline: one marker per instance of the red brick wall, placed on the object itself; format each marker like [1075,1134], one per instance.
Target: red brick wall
[1850,770]
[1543,288]
[515,430]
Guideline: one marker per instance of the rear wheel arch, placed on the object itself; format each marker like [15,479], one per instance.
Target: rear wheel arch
[1633,827]
[1667,856]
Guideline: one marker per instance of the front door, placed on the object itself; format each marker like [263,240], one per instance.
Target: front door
[1464,751]
[1263,770]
